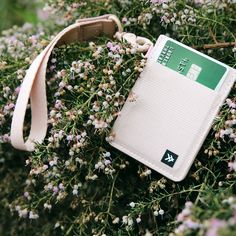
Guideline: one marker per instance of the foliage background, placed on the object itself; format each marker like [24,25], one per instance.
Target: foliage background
[59,190]
[17,12]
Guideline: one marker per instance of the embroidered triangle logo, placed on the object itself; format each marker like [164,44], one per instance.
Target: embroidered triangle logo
[169,158]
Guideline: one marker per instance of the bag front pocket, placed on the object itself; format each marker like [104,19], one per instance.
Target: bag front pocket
[172,114]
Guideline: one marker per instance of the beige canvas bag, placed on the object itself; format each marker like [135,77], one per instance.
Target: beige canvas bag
[162,123]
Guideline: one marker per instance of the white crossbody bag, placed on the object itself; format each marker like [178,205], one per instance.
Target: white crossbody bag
[176,99]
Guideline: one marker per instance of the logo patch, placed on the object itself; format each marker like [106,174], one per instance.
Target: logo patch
[169,158]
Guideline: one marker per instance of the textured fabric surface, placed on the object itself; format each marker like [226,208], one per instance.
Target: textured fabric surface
[171,113]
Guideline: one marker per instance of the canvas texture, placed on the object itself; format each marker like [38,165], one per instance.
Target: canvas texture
[166,123]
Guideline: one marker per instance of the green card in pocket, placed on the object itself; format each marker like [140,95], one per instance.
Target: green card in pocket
[192,64]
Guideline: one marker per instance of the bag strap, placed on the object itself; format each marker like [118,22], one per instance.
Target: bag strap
[34,87]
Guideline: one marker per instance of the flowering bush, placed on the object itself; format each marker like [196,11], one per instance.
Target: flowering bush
[16,11]
[75,183]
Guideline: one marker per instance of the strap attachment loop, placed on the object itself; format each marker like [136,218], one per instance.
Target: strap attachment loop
[141,43]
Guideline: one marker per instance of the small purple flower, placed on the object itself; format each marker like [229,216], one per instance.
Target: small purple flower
[69,137]
[62,84]
[26,194]
[33,39]
[107,162]
[8,107]
[188,204]
[11,106]
[232,166]
[55,190]
[58,104]
[61,186]
[215,225]
[191,224]
[6,138]
[113,48]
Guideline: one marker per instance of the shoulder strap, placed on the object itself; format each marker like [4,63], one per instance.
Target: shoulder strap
[34,87]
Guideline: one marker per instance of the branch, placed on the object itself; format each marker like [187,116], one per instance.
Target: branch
[215,45]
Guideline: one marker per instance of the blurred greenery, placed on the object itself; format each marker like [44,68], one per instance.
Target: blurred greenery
[16,12]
